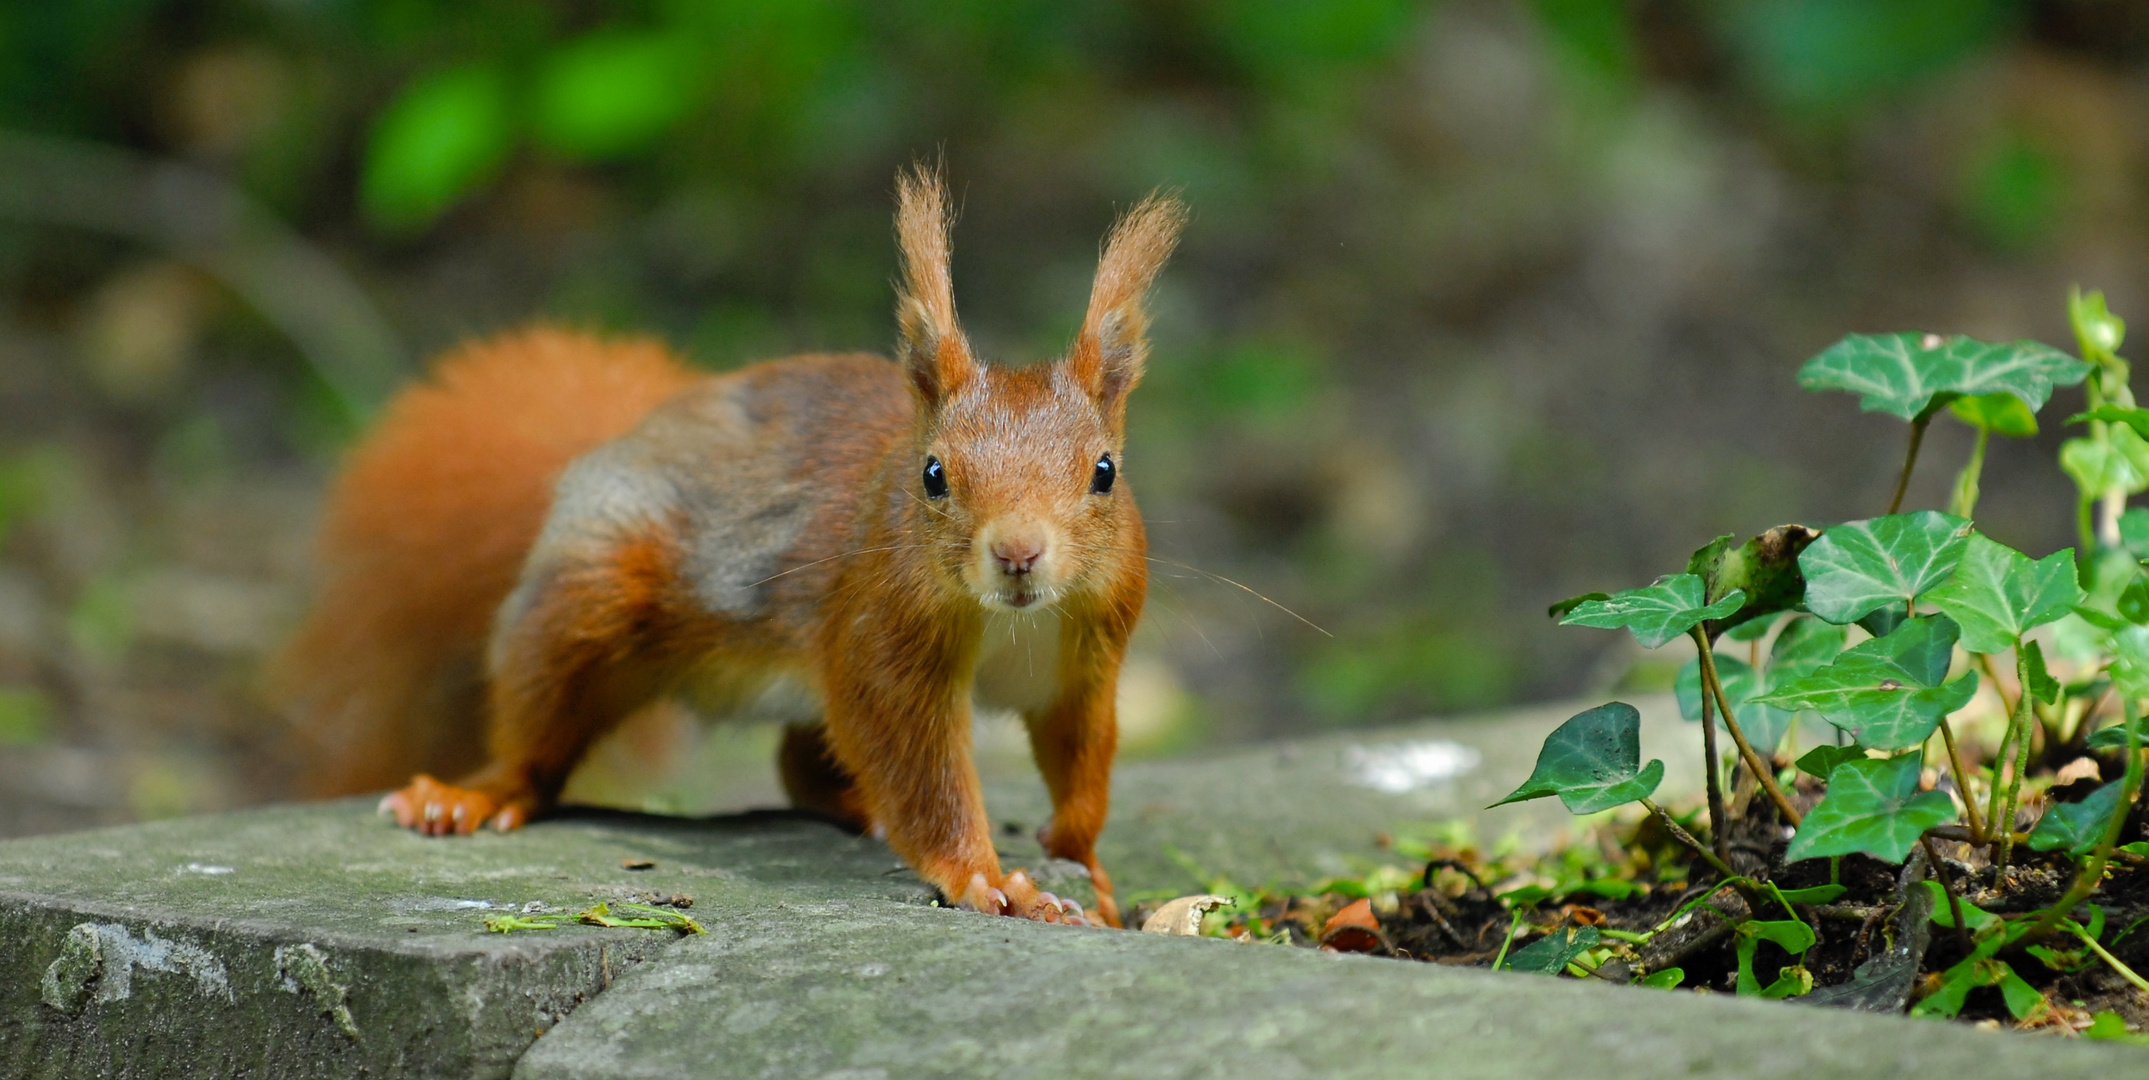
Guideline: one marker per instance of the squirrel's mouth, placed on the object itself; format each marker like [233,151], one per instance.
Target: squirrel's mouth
[1019,598]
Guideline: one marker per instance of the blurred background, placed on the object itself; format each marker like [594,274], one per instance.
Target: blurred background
[1484,303]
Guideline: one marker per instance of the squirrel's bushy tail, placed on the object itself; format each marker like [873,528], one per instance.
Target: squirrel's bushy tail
[424,535]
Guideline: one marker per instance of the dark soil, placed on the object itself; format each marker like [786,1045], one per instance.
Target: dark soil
[1461,907]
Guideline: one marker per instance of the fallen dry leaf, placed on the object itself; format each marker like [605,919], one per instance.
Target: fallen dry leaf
[1353,929]
[1183,915]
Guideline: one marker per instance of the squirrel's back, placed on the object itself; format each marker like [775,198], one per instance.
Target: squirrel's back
[425,533]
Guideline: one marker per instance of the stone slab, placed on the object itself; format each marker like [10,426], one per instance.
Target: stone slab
[1304,810]
[225,945]
[867,990]
[257,943]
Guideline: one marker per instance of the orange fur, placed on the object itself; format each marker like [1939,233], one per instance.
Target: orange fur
[425,533]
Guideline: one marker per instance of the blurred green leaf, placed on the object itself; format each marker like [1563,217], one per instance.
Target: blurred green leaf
[1791,936]
[1289,39]
[2138,419]
[1763,725]
[1667,979]
[1655,613]
[1858,567]
[25,716]
[2076,827]
[1887,692]
[613,92]
[1593,762]
[1873,807]
[444,136]
[1911,374]
[2002,414]
[1998,593]
[2093,322]
[1592,36]
[1826,58]
[2017,190]
[2096,467]
[1550,955]
[2042,686]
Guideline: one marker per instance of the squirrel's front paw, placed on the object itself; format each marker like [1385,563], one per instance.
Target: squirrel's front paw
[1019,897]
[438,809]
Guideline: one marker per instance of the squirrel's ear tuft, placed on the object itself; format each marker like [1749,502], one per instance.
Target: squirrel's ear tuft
[1108,353]
[932,345]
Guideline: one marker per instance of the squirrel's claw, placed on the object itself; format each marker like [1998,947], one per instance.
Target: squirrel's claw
[1020,898]
[436,809]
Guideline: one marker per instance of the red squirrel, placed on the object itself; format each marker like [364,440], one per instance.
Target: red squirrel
[558,531]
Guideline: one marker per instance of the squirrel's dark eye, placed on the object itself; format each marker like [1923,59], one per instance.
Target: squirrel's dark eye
[936,479]
[1100,480]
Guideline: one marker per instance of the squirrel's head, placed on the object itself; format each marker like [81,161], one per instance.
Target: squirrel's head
[1017,470]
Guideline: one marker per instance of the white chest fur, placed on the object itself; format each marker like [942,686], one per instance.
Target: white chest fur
[1019,660]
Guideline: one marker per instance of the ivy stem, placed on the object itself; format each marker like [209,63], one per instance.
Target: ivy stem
[1910,461]
[1947,885]
[1962,781]
[1966,489]
[1760,769]
[1680,834]
[1513,926]
[1719,825]
[2124,971]
[2005,823]
[1999,756]
[2092,873]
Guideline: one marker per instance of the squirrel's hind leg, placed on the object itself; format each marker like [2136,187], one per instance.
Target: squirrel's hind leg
[815,781]
[581,647]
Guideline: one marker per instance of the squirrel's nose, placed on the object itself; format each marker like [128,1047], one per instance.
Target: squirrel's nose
[1017,555]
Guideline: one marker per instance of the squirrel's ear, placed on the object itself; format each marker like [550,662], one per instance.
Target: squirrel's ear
[1108,353]
[932,346]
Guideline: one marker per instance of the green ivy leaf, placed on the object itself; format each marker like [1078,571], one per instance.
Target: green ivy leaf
[2120,462]
[1788,934]
[1997,593]
[611,93]
[1657,613]
[1765,568]
[1591,761]
[2115,736]
[2130,662]
[1855,568]
[1764,726]
[1806,645]
[1815,894]
[1911,374]
[2132,603]
[2094,322]
[1822,759]
[1873,807]
[1550,955]
[1889,692]
[2001,414]
[2134,531]
[445,135]
[2043,687]
[1560,610]
[1943,912]
[2077,826]
[2138,419]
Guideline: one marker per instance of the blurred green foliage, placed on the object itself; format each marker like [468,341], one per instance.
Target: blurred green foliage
[1399,204]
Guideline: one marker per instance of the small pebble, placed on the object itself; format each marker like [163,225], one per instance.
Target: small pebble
[637,864]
